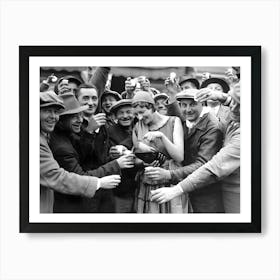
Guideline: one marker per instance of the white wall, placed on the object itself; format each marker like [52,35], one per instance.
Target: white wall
[138,256]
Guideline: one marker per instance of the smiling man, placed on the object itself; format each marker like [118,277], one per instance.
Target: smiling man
[202,140]
[52,176]
[65,146]
[120,135]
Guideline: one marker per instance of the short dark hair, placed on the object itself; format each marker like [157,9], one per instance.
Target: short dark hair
[145,104]
[84,85]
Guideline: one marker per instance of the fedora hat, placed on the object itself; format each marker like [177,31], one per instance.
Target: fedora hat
[109,92]
[49,98]
[221,82]
[72,105]
[69,78]
[185,79]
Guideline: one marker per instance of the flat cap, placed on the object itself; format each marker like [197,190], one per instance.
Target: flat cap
[160,95]
[119,104]
[187,94]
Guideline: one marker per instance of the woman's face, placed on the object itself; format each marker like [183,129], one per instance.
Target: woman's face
[143,113]
[160,106]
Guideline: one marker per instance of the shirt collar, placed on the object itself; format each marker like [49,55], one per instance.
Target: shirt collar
[204,111]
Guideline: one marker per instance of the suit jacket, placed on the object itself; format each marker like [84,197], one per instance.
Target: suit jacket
[225,166]
[118,135]
[65,147]
[201,143]
[53,177]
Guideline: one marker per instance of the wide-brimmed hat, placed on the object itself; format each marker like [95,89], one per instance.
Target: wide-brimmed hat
[49,98]
[108,92]
[69,78]
[185,79]
[187,94]
[119,104]
[143,96]
[160,95]
[72,105]
[221,82]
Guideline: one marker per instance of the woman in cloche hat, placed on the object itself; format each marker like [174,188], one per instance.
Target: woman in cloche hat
[164,134]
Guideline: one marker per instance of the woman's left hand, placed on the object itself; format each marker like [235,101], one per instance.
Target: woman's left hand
[152,135]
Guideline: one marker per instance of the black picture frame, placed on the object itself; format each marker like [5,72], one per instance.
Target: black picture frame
[254,52]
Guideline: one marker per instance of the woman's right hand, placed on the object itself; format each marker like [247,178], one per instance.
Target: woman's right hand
[109,182]
[144,148]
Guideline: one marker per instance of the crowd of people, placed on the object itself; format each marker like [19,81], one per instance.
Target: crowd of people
[141,150]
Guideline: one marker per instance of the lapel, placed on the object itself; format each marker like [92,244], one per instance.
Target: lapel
[199,126]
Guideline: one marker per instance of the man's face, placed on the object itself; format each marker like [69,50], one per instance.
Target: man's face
[216,87]
[107,102]
[88,96]
[190,109]
[125,115]
[49,116]
[73,122]
[187,85]
[160,106]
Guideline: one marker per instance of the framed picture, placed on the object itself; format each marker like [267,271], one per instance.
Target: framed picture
[145,69]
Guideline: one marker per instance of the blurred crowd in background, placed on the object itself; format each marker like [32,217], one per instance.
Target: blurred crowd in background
[140,140]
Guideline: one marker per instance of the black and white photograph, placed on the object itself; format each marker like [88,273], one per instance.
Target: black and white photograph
[161,136]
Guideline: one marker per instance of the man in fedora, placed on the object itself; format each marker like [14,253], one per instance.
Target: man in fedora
[65,145]
[202,140]
[187,82]
[223,167]
[52,176]
[216,107]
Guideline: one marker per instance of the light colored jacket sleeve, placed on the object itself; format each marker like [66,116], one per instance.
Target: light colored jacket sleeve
[58,179]
[224,163]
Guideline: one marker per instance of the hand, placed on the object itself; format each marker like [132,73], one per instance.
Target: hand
[63,87]
[172,88]
[109,182]
[144,83]
[100,119]
[231,76]
[130,84]
[205,76]
[205,94]
[51,79]
[157,173]
[126,161]
[117,151]
[163,195]
[152,135]
[87,74]
[142,147]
